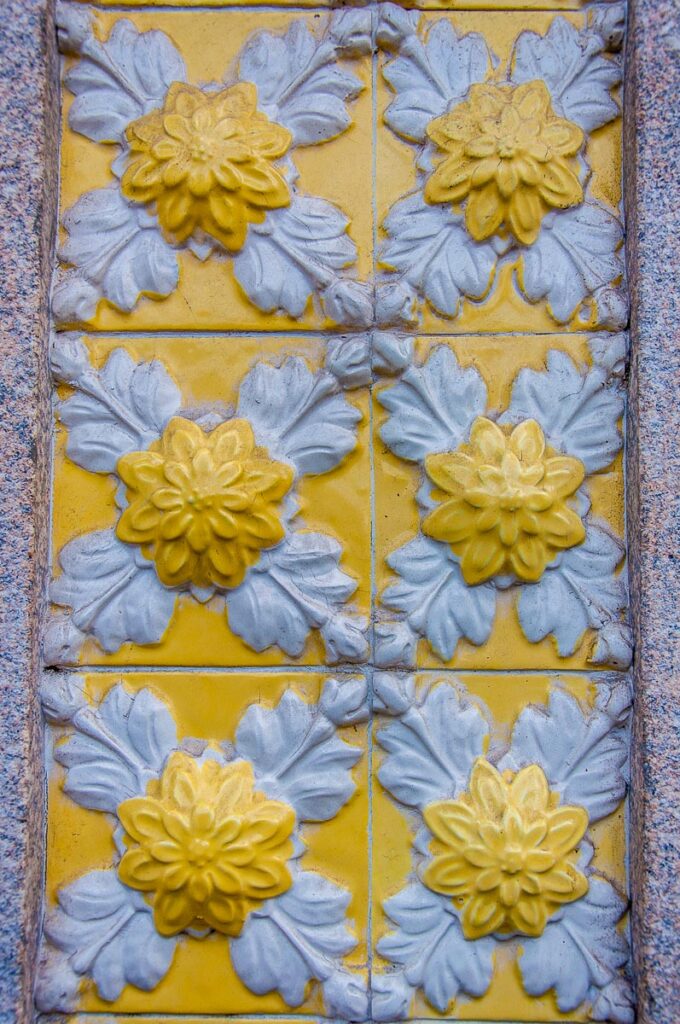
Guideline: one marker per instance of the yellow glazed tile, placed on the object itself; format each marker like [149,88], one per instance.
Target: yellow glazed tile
[503,591]
[423,963]
[185,244]
[304,739]
[460,250]
[301,580]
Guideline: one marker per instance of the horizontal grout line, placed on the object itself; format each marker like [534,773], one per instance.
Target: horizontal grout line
[321,9]
[325,335]
[326,670]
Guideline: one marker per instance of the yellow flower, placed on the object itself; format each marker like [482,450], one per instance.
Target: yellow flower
[203,505]
[505,851]
[206,160]
[205,845]
[507,155]
[503,502]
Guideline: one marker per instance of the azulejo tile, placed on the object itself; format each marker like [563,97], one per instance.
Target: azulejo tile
[499,848]
[498,170]
[207,847]
[211,501]
[202,181]
[499,502]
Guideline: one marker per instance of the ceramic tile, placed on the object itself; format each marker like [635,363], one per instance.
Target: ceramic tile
[483,229]
[282,578]
[190,946]
[467,574]
[266,234]
[447,751]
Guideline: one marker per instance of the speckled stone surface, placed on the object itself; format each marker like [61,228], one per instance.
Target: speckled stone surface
[652,161]
[27,200]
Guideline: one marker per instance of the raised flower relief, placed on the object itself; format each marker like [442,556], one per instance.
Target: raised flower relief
[210,169]
[206,508]
[503,852]
[509,156]
[207,163]
[205,845]
[206,841]
[503,174]
[505,506]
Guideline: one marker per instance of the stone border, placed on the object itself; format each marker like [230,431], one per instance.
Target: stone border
[28,122]
[652,159]
[28,184]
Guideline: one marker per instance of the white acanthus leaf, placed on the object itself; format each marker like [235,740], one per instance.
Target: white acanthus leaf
[298,415]
[431,745]
[294,588]
[432,406]
[429,77]
[431,247]
[582,591]
[297,756]
[391,996]
[348,358]
[581,950]
[578,409]
[112,751]
[571,63]
[583,753]
[113,590]
[299,81]
[299,251]
[121,408]
[114,251]
[107,932]
[117,81]
[438,603]
[297,937]
[577,252]
[614,1002]
[429,945]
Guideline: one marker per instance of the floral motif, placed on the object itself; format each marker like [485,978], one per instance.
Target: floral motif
[203,506]
[206,160]
[510,508]
[210,169]
[505,851]
[207,840]
[207,507]
[503,501]
[507,155]
[506,862]
[206,845]
[503,180]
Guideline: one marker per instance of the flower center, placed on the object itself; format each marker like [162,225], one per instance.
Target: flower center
[512,860]
[201,148]
[199,852]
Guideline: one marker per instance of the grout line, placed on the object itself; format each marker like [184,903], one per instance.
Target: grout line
[159,334]
[261,6]
[348,670]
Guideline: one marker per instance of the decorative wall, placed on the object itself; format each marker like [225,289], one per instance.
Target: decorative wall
[337,682]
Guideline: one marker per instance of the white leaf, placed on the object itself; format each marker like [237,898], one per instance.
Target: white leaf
[348,302]
[298,415]
[348,358]
[112,751]
[109,934]
[432,406]
[431,747]
[114,592]
[345,996]
[430,945]
[614,1002]
[430,77]
[583,753]
[571,64]
[62,697]
[299,83]
[297,756]
[344,701]
[582,591]
[579,411]
[294,588]
[294,938]
[391,996]
[576,252]
[395,644]
[438,603]
[117,250]
[120,408]
[580,948]
[298,250]
[120,80]
[431,247]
